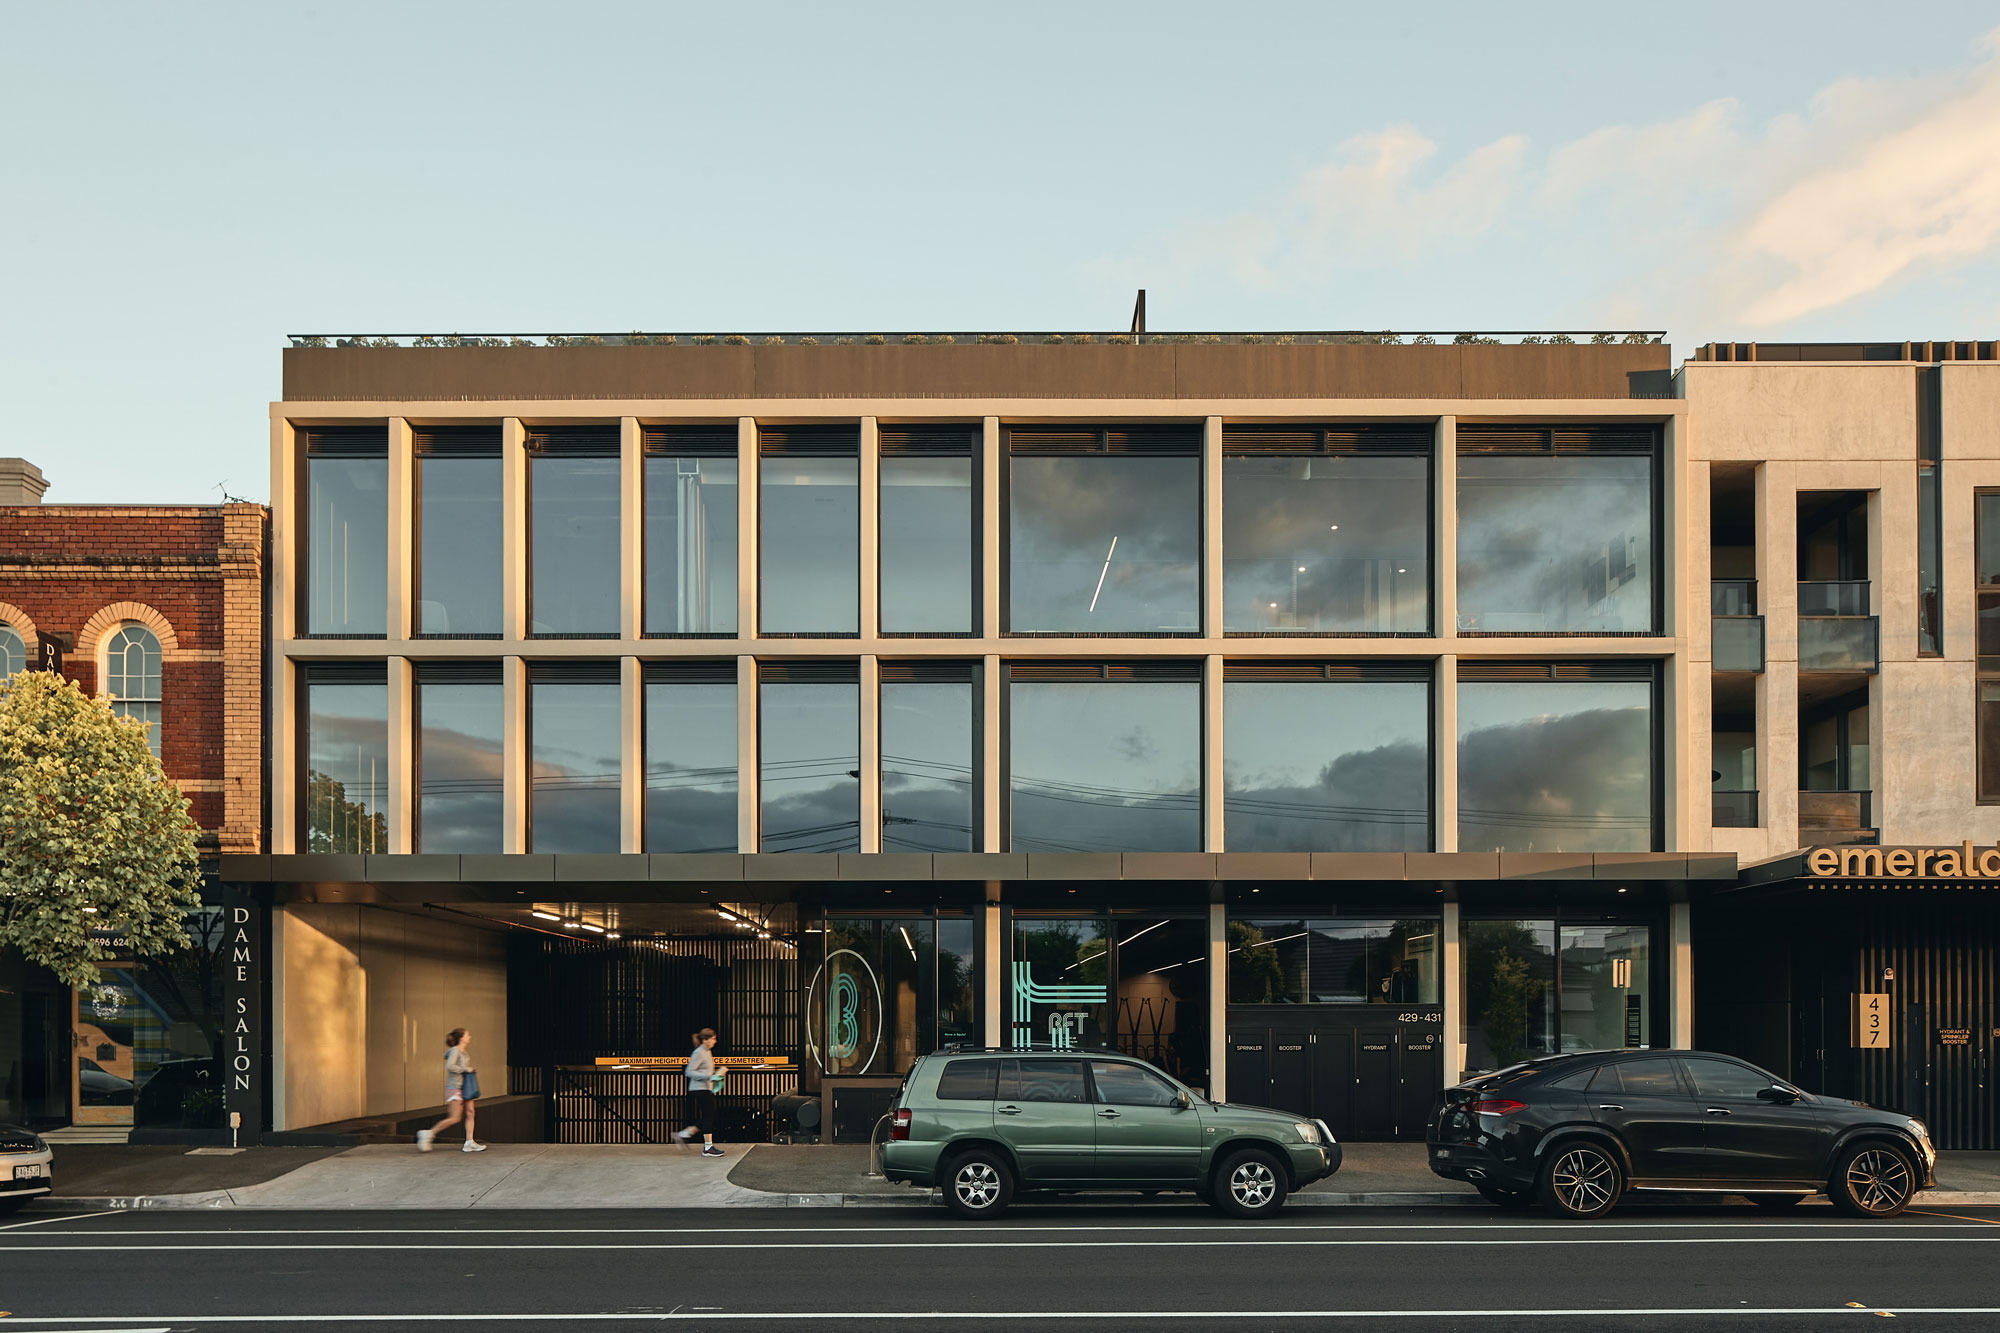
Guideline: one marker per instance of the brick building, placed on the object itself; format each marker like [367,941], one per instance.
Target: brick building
[162,608]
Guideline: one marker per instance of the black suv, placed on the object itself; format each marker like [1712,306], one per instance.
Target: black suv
[1576,1131]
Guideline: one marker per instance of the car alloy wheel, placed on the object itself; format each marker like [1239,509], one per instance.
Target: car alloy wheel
[1878,1180]
[1583,1181]
[1253,1184]
[977,1185]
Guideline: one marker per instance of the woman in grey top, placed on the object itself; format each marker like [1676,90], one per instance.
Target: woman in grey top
[701,1093]
[461,1090]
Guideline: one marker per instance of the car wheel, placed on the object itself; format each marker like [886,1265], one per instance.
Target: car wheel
[1504,1197]
[1872,1180]
[1777,1200]
[1251,1184]
[978,1185]
[1582,1179]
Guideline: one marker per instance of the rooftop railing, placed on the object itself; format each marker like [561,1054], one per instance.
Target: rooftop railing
[1300,338]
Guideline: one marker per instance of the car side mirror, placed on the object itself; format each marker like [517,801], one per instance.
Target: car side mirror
[1182,1101]
[1778,1095]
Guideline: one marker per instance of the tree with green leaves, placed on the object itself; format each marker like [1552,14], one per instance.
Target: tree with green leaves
[94,841]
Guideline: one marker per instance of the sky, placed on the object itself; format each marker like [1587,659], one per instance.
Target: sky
[182,186]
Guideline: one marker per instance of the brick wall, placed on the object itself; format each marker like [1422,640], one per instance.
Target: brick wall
[195,576]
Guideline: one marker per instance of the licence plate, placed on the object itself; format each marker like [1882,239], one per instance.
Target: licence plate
[1442,1154]
[34,1172]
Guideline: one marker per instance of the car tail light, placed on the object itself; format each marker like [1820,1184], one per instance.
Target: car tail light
[899,1123]
[1496,1106]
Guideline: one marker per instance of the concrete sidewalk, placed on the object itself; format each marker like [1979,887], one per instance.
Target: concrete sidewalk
[531,1176]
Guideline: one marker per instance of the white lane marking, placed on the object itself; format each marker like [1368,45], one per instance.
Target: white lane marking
[989,1316]
[66,1217]
[1247,1242]
[1818,1226]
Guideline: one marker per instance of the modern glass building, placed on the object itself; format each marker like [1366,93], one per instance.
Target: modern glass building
[1308,714]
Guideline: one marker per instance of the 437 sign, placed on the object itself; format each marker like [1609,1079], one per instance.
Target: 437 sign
[1871,1023]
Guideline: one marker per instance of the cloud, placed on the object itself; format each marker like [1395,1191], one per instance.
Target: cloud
[1700,219]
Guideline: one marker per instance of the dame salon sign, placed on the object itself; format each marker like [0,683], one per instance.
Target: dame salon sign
[1964,862]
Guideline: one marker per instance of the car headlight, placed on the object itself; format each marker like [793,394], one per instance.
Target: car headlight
[1917,1128]
[1310,1133]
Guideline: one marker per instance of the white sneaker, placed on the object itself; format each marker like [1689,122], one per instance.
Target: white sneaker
[683,1135]
[424,1140]
[470,1146]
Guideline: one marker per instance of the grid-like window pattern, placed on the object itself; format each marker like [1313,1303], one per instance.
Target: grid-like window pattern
[132,677]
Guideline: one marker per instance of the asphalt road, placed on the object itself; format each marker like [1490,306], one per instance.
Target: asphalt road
[1057,1267]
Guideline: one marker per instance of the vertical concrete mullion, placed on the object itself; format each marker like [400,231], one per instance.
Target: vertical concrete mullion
[989,529]
[871,753]
[514,755]
[990,790]
[514,533]
[1444,529]
[1218,1002]
[1681,927]
[1212,830]
[1777,755]
[631,756]
[991,989]
[1454,998]
[402,500]
[747,464]
[1444,755]
[1211,532]
[747,774]
[284,564]
[631,530]
[871,546]
[286,698]
[402,730]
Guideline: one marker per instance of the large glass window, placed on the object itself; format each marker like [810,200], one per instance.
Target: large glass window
[13,651]
[1162,998]
[347,531]
[1607,974]
[958,980]
[1059,983]
[1324,542]
[345,793]
[1326,766]
[927,527]
[872,1007]
[691,787]
[1534,988]
[132,678]
[1553,543]
[459,759]
[1104,766]
[1104,541]
[1555,766]
[1275,960]
[573,537]
[691,531]
[573,783]
[928,786]
[809,765]
[809,532]
[458,531]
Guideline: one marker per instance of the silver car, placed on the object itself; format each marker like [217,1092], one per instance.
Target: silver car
[25,1167]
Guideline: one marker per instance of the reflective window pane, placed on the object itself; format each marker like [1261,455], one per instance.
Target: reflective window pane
[573,545]
[1607,974]
[458,546]
[1557,544]
[573,782]
[809,738]
[1508,974]
[690,545]
[1162,998]
[1326,544]
[459,767]
[1326,767]
[808,541]
[928,782]
[132,678]
[690,767]
[1058,983]
[1279,961]
[872,1009]
[346,787]
[347,545]
[13,652]
[1104,545]
[1105,767]
[926,545]
[1556,766]
[958,980]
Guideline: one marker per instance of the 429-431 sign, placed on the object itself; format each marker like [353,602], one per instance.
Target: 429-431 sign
[1871,1023]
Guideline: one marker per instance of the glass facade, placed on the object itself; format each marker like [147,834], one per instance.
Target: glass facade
[573,782]
[1058,986]
[690,545]
[345,791]
[929,782]
[1555,544]
[873,1006]
[809,767]
[691,787]
[809,545]
[1104,766]
[1326,544]
[1556,766]
[573,541]
[1104,545]
[1162,1014]
[927,545]
[459,766]
[458,545]
[347,545]
[1533,987]
[1326,766]
[1276,960]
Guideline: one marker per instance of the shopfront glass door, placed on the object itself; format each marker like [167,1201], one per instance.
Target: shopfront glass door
[1537,987]
[116,1047]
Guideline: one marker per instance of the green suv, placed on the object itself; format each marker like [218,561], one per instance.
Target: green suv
[982,1125]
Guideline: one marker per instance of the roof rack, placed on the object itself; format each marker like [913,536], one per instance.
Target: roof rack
[1039,1048]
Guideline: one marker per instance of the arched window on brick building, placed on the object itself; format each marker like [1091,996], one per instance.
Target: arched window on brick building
[132,677]
[13,651]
